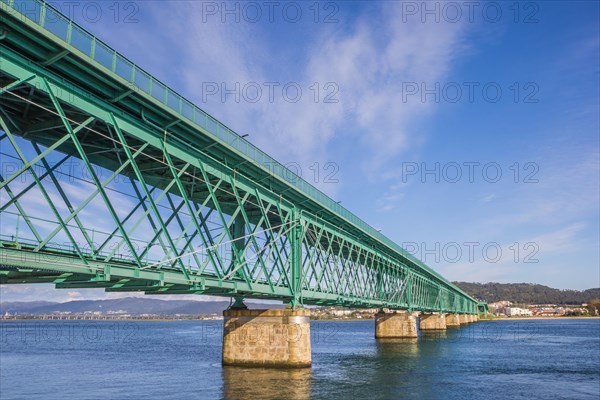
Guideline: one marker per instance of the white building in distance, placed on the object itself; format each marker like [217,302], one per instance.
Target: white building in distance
[514,311]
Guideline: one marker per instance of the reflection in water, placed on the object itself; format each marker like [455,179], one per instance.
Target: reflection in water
[266,383]
[434,335]
[398,347]
[398,367]
[492,361]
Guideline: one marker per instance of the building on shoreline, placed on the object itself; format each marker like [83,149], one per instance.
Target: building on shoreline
[540,310]
[516,311]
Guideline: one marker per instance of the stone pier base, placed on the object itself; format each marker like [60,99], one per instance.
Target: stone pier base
[432,322]
[278,338]
[452,320]
[464,319]
[395,325]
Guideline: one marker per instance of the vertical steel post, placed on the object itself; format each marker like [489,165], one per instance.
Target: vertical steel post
[296,260]
[237,231]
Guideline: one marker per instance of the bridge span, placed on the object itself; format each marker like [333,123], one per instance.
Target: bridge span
[110,179]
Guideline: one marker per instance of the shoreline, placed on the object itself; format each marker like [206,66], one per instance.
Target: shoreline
[521,318]
[110,319]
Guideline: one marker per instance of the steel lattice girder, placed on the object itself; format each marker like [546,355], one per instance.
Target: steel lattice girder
[268,247]
[331,266]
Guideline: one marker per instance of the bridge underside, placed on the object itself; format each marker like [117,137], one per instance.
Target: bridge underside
[88,203]
[98,192]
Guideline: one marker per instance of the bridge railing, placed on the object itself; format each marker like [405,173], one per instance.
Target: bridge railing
[52,20]
[74,35]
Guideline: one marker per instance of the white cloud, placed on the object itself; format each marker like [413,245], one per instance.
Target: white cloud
[389,202]
[526,257]
[368,61]
[566,191]
[489,197]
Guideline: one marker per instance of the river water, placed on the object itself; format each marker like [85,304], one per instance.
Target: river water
[532,359]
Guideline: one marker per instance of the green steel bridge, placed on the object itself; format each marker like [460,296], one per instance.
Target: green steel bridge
[112,180]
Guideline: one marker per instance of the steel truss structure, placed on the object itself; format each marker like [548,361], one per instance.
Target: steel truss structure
[107,183]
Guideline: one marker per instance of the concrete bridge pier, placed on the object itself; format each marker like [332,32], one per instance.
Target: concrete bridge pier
[267,338]
[432,322]
[452,320]
[464,319]
[395,325]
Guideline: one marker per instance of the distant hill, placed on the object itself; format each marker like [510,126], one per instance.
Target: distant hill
[128,305]
[527,293]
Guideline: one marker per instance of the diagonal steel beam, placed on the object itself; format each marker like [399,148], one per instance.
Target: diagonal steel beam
[88,165]
[142,181]
[22,212]
[43,191]
[16,83]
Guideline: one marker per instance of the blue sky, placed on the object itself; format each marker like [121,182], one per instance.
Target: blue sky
[471,136]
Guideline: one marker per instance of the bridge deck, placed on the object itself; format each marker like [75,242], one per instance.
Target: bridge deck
[125,115]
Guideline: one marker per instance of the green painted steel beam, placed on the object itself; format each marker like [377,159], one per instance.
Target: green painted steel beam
[70,264]
[263,242]
[109,74]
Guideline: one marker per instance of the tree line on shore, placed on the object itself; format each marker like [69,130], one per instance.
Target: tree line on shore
[527,293]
